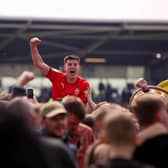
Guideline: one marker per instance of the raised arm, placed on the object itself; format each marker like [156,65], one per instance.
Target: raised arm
[24,78]
[36,57]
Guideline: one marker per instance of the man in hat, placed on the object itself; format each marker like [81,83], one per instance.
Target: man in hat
[54,123]
[54,119]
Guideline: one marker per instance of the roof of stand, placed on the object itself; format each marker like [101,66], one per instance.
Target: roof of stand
[118,43]
[119,32]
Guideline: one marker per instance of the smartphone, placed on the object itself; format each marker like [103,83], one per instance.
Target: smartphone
[30,93]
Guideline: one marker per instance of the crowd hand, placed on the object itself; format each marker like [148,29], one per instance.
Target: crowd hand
[32,100]
[141,83]
[24,78]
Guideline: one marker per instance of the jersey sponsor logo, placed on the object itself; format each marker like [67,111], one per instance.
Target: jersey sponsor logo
[76,91]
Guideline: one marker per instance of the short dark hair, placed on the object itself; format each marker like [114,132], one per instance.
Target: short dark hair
[71,57]
[74,105]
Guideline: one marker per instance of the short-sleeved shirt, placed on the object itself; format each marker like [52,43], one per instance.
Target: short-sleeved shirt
[61,87]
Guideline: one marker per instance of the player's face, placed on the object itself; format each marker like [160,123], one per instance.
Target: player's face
[72,68]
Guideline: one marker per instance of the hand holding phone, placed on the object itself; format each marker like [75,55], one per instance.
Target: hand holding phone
[30,93]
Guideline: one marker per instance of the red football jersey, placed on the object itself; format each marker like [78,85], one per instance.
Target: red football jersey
[61,88]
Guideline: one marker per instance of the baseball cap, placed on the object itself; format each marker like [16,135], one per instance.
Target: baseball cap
[49,110]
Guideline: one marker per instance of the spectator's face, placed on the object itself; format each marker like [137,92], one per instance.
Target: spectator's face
[73,123]
[57,125]
[72,68]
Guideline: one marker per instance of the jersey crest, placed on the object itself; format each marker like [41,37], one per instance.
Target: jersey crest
[76,91]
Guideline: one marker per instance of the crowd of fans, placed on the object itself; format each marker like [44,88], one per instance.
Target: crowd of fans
[70,129]
[71,134]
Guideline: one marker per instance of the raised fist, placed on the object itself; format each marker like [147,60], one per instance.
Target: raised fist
[24,78]
[35,41]
[141,83]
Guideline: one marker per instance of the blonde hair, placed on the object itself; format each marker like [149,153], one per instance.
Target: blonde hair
[105,108]
[120,128]
[146,106]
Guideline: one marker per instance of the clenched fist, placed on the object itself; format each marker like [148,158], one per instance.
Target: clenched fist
[141,83]
[35,41]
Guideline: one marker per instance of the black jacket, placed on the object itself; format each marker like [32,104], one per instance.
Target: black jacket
[154,151]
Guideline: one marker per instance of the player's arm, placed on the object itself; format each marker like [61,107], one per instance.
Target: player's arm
[91,105]
[36,57]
